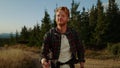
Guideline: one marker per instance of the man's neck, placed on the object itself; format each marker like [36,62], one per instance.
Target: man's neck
[62,29]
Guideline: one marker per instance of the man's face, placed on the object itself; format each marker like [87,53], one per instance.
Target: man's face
[61,18]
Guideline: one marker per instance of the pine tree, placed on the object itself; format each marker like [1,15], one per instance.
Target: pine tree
[93,18]
[112,17]
[31,37]
[35,36]
[17,36]
[24,35]
[75,18]
[12,39]
[54,21]
[84,27]
[100,26]
[46,24]
[92,24]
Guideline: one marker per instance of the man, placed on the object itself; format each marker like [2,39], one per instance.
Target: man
[62,47]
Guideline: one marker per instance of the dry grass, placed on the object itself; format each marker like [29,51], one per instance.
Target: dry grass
[94,63]
[21,56]
[15,57]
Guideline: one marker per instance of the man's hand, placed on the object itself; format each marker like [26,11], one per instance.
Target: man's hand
[81,64]
[45,64]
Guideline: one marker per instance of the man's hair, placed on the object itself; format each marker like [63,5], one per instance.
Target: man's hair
[63,8]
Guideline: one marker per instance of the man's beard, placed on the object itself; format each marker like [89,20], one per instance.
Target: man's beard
[63,24]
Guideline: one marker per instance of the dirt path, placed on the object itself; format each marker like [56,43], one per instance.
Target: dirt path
[94,63]
[90,63]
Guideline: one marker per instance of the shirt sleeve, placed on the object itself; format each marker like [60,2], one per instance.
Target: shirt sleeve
[46,46]
[80,48]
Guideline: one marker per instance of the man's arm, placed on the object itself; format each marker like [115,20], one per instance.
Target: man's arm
[45,51]
[81,64]
[80,50]
[45,63]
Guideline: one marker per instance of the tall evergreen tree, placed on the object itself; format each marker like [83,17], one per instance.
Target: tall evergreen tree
[54,22]
[35,36]
[113,16]
[46,24]
[24,35]
[84,27]
[92,24]
[100,26]
[75,18]
[17,36]
[12,39]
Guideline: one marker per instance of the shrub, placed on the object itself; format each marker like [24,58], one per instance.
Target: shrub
[114,49]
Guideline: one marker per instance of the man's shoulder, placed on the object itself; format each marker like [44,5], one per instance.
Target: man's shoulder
[51,30]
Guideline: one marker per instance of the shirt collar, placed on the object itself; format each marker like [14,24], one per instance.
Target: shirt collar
[67,31]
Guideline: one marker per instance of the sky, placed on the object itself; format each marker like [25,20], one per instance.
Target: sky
[14,14]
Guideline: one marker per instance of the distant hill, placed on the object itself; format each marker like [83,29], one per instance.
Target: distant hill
[6,35]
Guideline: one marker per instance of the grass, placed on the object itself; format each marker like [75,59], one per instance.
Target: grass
[16,57]
[20,56]
[102,54]
[95,63]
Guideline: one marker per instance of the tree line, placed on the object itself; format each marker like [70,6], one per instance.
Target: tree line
[97,27]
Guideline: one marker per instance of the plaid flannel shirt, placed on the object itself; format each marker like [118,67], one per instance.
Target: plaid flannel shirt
[52,43]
